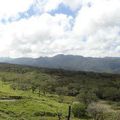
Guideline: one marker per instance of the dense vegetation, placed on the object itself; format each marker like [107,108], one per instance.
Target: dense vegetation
[28,93]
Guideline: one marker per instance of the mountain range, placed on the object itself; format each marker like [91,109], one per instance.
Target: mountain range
[70,62]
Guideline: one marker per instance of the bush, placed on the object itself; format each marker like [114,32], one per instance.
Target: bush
[20,86]
[97,111]
[73,92]
[109,93]
[23,86]
[62,90]
[39,114]
[87,96]
[14,86]
[50,114]
[79,110]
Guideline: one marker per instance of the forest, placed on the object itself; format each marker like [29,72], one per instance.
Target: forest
[30,93]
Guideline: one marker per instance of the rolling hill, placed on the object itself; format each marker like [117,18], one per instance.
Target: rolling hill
[71,62]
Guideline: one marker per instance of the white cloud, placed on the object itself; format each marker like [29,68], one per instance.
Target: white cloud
[34,36]
[52,4]
[43,6]
[11,8]
[101,14]
[95,30]
[48,5]
[100,24]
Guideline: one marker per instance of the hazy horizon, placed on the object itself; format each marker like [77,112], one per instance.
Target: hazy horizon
[51,56]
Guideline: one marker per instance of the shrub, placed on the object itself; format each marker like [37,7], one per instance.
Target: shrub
[14,86]
[87,96]
[79,110]
[39,114]
[109,93]
[50,114]
[97,111]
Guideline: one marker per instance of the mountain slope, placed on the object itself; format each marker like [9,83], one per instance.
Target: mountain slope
[71,62]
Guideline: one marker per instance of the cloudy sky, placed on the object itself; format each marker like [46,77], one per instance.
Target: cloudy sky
[33,28]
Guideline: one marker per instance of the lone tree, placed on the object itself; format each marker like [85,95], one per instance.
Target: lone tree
[79,109]
[87,96]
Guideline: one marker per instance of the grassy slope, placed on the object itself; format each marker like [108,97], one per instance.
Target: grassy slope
[29,106]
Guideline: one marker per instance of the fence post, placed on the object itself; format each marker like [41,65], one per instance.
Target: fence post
[69,113]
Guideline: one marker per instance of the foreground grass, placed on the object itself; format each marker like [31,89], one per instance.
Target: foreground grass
[35,107]
[31,107]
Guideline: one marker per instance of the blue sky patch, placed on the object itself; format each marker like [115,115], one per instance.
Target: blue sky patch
[63,9]
[30,12]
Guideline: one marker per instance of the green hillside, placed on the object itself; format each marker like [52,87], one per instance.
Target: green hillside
[28,93]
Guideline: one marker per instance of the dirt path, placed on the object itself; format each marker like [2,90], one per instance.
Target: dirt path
[10,98]
[7,100]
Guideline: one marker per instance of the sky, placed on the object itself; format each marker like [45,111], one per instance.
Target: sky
[34,28]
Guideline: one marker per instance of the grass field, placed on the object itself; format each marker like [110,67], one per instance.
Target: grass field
[30,106]
[33,107]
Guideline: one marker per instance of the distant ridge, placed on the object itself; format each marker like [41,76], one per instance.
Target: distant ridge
[71,62]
